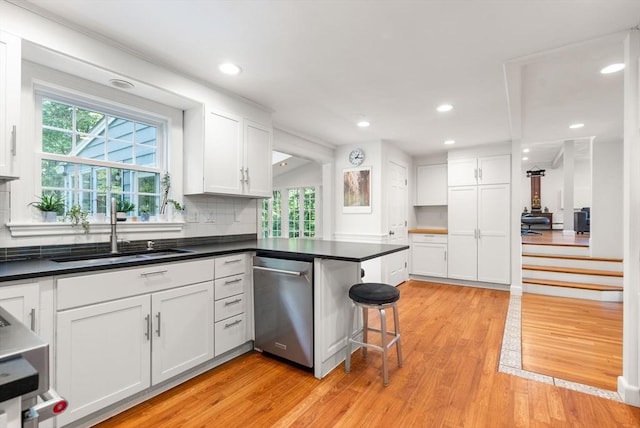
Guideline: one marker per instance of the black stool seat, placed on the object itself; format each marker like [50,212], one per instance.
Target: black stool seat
[374,293]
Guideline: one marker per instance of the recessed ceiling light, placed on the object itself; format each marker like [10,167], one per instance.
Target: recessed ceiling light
[444,107]
[122,84]
[449,142]
[576,125]
[525,151]
[525,158]
[283,164]
[612,68]
[363,124]
[229,68]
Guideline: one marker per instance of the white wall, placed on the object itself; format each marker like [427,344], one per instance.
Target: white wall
[309,174]
[606,211]
[431,217]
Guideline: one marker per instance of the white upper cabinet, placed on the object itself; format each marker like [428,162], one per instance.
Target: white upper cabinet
[483,170]
[226,154]
[10,47]
[431,185]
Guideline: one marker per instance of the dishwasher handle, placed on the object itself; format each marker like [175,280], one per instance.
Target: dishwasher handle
[286,272]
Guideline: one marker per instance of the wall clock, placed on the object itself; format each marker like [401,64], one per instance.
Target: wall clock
[356,157]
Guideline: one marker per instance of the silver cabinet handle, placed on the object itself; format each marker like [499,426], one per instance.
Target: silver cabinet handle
[480,173]
[445,255]
[158,330]
[154,272]
[391,232]
[286,272]
[242,179]
[232,302]
[233,281]
[226,262]
[32,315]
[147,333]
[479,234]
[14,133]
[475,173]
[236,322]
[246,179]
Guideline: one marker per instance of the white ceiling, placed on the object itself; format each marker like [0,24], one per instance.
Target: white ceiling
[321,66]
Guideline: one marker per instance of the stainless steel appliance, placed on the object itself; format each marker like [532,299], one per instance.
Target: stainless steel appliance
[283,300]
[24,375]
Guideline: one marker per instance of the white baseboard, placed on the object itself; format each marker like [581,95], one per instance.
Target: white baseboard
[630,394]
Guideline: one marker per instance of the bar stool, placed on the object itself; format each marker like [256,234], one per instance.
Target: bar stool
[373,295]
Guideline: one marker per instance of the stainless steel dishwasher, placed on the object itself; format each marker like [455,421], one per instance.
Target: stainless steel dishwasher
[283,300]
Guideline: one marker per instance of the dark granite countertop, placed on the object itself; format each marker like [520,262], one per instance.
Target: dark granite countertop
[275,247]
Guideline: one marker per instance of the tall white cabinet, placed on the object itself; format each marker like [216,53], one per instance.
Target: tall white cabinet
[10,60]
[478,219]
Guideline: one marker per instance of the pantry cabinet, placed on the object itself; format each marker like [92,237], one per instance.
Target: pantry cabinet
[226,154]
[479,198]
[10,60]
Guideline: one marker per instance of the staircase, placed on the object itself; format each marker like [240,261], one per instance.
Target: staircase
[567,270]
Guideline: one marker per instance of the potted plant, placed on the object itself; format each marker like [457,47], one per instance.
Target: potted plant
[78,217]
[50,205]
[122,208]
[145,210]
[178,209]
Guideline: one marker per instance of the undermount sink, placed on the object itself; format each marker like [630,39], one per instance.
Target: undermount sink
[100,259]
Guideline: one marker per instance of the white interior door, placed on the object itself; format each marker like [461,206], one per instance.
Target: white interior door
[397,263]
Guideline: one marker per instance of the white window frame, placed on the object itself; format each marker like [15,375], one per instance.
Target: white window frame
[284,203]
[161,122]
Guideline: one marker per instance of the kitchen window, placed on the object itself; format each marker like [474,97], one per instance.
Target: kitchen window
[91,152]
[295,209]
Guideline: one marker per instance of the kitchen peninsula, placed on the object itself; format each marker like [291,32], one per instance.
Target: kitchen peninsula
[129,293]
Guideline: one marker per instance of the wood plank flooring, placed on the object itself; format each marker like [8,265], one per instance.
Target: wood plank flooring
[572,339]
[451,338]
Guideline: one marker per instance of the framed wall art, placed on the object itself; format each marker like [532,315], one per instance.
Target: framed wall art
[357,190]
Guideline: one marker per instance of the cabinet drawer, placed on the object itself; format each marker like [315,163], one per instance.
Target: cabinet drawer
[230,333]
[115,284]
[231,265]
[428,237]
[230,286]
[229,307]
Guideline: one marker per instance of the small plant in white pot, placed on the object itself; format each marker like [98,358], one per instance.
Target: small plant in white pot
[51,205]
[122,208]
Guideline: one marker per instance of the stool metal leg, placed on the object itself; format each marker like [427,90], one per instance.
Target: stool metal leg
[347,361]
[397,330]
[383,333]
[365,328]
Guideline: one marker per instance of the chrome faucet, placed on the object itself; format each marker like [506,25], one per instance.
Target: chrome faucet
[114,222]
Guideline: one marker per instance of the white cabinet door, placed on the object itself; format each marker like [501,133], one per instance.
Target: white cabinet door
[462,172]
[494,169]
[493,239]
[182,329]
[258,169]
[431,185]
[429,259]
[103,354]
[10,60]
[223,161]
[462,224]
[21,301]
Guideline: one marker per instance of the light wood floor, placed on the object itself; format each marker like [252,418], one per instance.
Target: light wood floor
[451,339]
[556,237]
[572,339]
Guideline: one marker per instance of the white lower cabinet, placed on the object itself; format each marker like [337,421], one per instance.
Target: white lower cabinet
[231,290]
[109,351]
[182,330]
[22,301]
[109,348]
[103,354]
[429,255]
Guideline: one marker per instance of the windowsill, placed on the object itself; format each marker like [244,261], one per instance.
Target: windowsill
[55,229]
